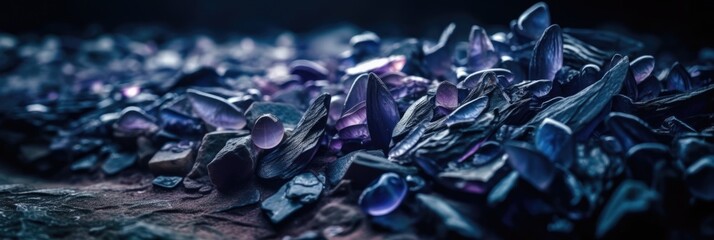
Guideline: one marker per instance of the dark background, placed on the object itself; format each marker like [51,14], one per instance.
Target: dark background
[682,22]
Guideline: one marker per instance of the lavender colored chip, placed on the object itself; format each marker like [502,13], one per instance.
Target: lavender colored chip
[215,110]
[382,113]
[678,78]
[357,93]
[467,112]
[308,70]
[383,195]
[354,132]
[356,115]
[267,132]
[481,54]
[642,67]
[447,95]
[133,122]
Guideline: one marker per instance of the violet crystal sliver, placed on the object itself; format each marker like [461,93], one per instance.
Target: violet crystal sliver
[267,132]
[383,195]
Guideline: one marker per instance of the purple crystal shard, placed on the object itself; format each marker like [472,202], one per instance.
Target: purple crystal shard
[467,112]
[481,54]
[447,95]
[383,195]
[134,122]
[555,140]
[215,110]
[533,22]
[357,93]
[642,67]
[267,132]
[547,56]
[354,132]
[308,70]
[354,116]
[382,112]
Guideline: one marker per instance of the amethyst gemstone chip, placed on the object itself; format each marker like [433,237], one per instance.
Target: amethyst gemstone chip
[357,93]
[215,110]
[447,95]
[547,56]
[382,113]
[267,132]
[133,122]
[467,112]
[533,22]
[642,67]
[383,195]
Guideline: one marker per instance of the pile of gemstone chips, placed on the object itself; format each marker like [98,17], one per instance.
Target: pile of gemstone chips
[536,132]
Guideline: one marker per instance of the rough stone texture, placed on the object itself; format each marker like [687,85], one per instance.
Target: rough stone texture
[210,145]
[301,190]
[127,208]
[172,159]
[233,165]
[362,167]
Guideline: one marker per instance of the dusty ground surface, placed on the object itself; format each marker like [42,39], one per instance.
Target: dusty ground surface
[128,206]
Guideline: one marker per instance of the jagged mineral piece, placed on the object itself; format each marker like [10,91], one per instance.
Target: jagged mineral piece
[215,110]
[167,181]
[383,195]
[210,145]
[233,165]
[173,159]
[362,167]
[301,190]
[306,187]
[133,122]
[297,151]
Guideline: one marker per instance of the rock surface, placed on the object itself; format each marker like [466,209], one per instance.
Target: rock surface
[173,159]
[210,145]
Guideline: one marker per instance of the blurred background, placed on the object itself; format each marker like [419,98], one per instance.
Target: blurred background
[685,23]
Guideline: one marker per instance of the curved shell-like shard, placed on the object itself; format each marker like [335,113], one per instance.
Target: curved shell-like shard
[215,110]
[547,56]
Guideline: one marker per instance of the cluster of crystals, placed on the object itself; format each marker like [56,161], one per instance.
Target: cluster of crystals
[544,130]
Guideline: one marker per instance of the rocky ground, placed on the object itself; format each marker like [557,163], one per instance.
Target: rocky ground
[130,207]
